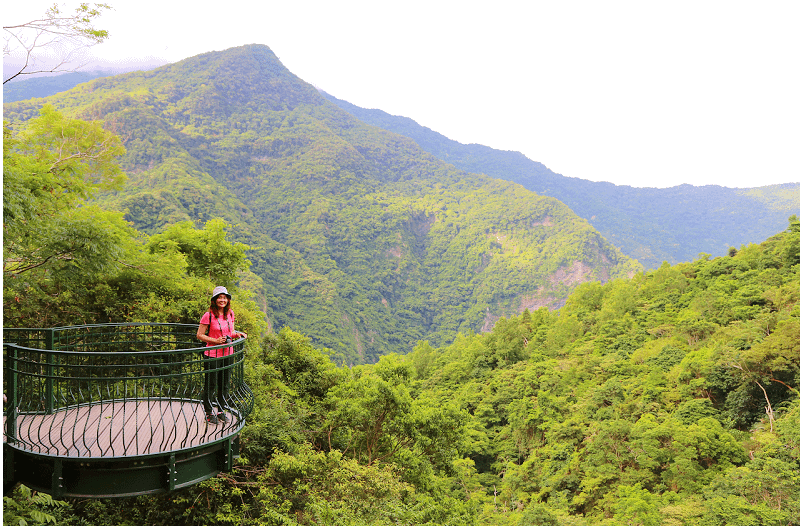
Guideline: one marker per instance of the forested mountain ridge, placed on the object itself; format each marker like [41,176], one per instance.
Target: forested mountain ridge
[649,224]
[44,86]
[362,240]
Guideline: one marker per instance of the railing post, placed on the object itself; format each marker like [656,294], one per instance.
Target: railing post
[226,465]
[57,480]
[172,473]
[49,339]
[11,388]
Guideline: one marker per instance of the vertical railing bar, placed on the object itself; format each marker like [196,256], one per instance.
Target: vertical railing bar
[56,391]
[164,434]
[62,423]
[80,400]
[49,343]
[150,404]
[11,388]
[194,377]
[124,419]
[183,385]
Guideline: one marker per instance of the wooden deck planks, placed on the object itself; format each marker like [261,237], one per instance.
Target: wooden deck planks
[117,429]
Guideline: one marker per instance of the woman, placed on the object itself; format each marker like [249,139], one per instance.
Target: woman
[216,328]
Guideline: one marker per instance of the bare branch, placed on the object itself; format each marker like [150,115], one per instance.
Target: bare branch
[57,35]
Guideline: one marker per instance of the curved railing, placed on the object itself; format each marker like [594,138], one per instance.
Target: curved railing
[116,391]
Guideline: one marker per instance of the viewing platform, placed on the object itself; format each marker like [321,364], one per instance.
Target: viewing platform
[116,409]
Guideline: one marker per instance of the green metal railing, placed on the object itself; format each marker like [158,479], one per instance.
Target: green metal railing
[116,390]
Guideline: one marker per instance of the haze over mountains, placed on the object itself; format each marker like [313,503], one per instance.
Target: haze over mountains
[362,240]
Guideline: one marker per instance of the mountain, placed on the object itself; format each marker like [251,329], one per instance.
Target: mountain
[651,225]
[363,240]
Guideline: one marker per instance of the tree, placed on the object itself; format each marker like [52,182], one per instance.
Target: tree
[208,252]
[49,168]
[636,506]
[370,418]
[57,34]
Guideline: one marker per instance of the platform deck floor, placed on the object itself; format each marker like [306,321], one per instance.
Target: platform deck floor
[119,429]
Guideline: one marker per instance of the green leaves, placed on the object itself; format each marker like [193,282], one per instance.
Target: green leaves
[49,168]
[370,418]
[24,506]
[53,245]
[208,252]
[61,160]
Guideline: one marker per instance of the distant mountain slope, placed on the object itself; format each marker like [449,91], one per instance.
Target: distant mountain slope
[46,86]
[364,241]
[651,225]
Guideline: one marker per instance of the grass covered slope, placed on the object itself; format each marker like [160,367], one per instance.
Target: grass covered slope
[363,241]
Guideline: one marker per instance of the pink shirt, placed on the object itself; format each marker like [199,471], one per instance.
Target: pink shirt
[218,327]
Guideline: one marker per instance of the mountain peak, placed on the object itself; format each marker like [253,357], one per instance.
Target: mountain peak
[217,84]
[251,76]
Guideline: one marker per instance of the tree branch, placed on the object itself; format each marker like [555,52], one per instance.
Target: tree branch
[58,31]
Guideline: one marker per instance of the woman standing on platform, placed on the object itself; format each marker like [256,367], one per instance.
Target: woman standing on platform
[216,328]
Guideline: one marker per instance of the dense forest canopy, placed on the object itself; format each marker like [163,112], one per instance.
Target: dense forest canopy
[666,399]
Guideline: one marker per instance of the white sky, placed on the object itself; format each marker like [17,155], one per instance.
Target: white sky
[642,93]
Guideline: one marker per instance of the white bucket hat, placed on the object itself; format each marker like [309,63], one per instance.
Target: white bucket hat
[220,290]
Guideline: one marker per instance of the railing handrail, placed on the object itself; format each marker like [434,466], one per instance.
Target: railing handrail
[119,324]
[124,353]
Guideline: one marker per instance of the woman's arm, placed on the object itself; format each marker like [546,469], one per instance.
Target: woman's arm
[237,334]
[202,335]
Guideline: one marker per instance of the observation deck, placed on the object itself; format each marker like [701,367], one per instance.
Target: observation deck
[115,410]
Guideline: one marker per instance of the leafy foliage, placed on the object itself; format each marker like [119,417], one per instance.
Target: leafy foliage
[26,507]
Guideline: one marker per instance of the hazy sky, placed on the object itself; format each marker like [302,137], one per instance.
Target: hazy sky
[642,93]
